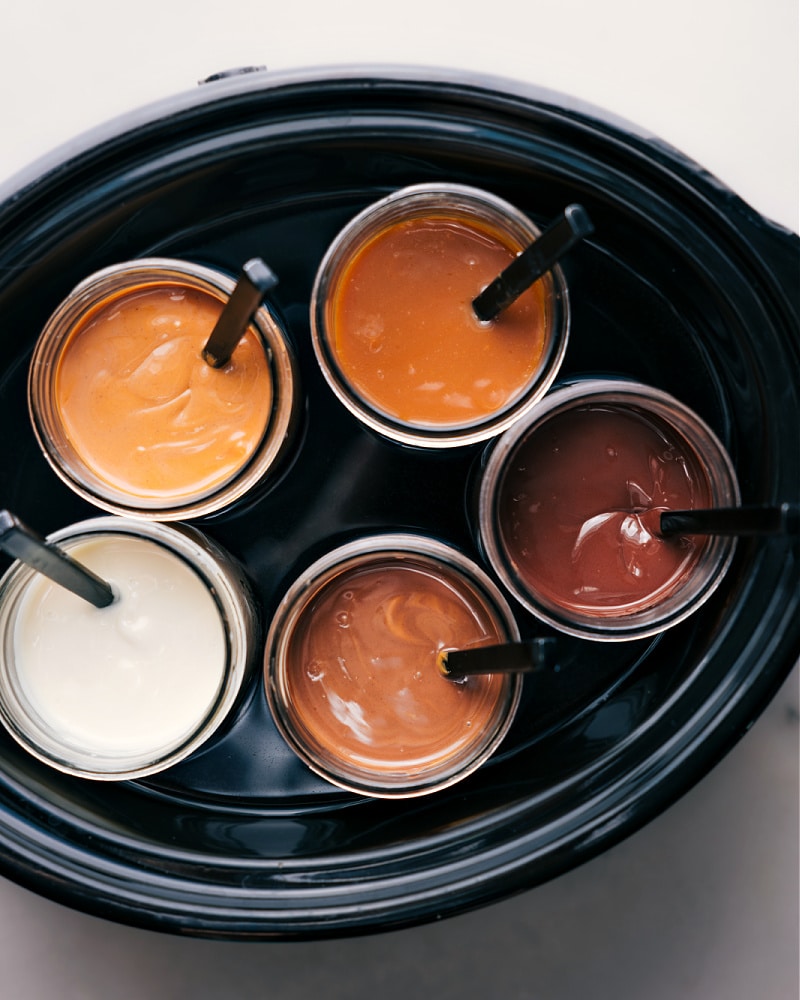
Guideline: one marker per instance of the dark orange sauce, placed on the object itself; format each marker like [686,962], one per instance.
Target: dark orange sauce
[404,332]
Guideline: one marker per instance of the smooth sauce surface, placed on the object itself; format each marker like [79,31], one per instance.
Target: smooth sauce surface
[405,334]
[136,676]
[362,670]
[579,504]
[141,407]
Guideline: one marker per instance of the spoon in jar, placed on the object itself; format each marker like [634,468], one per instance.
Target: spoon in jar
[533,656]
[253,284]
[781,519]
[537,259]
[18,541]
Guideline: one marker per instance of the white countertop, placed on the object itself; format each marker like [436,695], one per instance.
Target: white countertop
[702,903]
[717,80]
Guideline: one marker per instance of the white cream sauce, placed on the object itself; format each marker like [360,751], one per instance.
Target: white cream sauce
[136,677]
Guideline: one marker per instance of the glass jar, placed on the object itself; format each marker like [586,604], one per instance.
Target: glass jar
[393,326]
[128,690]
[131,417]
[570,502]
[353,674]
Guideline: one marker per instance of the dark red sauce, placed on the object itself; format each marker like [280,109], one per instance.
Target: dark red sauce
[580,503]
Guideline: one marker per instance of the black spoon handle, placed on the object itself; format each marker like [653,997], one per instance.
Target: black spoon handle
[533,262]
[19,541]
[254,282]
[782,519]
[509,658]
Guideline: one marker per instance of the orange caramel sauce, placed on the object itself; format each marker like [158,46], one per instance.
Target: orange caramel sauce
[404,332]
[363,680]
[141,407]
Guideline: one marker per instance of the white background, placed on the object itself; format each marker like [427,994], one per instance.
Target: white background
[703,902]
[718,79]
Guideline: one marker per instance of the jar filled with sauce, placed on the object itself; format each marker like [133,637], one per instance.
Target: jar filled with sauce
[570,505]
[130,415]
[352,666]
[127,690]
[393,326]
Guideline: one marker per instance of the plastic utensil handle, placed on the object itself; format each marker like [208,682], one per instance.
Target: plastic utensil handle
[20,542]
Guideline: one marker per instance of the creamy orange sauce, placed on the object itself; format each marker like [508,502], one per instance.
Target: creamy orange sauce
[362,675]
[405,335]
[141,407]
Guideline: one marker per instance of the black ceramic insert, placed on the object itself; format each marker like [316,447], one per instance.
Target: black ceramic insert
[681,285]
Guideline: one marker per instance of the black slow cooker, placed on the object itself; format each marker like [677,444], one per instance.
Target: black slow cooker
[682,286]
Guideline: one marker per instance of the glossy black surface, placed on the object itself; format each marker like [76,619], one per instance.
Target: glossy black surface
[681,285]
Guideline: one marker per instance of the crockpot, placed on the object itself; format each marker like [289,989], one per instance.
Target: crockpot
[682,286]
